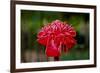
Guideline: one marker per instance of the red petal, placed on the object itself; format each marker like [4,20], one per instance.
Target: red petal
[69,42]
[52,50]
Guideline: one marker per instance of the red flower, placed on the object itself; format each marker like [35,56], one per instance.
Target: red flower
[57,36]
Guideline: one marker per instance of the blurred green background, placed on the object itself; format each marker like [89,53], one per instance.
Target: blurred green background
[31,23]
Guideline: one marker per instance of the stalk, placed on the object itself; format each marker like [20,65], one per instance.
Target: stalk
[56,58]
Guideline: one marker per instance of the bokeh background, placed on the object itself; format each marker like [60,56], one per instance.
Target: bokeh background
[31,23]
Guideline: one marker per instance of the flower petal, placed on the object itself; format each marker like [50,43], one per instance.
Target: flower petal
[52,49]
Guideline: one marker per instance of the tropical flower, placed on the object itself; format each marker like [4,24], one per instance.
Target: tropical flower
[57,36]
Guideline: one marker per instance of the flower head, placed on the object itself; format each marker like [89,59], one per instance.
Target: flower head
[57,36]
